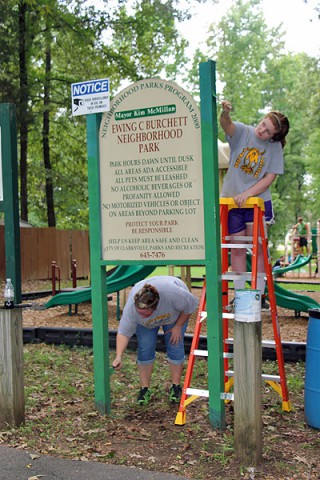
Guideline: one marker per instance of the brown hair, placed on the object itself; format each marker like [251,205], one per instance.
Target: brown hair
[147,297]
[280,121]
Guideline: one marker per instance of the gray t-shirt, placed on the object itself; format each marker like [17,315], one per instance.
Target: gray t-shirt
[174,299]
[250,159]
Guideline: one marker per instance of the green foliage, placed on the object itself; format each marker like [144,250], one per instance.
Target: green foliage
[148,39]
[256,75]
[126,43]
[46,46]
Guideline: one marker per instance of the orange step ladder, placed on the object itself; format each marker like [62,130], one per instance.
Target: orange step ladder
[277,382]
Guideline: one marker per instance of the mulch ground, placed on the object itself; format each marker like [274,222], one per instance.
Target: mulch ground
[292,329]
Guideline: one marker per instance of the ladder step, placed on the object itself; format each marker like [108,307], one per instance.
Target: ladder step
[197,392]
[230,276]
[203,315]
[264,343]
[243,238]
[227,396]
[229,316]
[272,378]
[240,276]
[237,245]
[227,355]
[265,376]
[201,353]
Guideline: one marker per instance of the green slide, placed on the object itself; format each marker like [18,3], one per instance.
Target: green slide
[287,298]
[299,262]
[124,276]
[293,301]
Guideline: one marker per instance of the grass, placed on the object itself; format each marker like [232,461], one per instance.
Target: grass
[61,420]
[302,287]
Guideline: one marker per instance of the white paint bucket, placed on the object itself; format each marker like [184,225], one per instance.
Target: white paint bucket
[247,305]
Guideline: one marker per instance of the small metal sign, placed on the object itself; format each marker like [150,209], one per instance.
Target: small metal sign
[90,97]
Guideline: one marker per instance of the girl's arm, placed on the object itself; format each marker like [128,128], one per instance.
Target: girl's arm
[225,119]
[255,190]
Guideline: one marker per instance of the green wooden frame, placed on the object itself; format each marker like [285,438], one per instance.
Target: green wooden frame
[10,204]
[212,261]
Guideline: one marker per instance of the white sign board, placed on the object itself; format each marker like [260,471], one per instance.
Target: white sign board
[90,97]
[151,175]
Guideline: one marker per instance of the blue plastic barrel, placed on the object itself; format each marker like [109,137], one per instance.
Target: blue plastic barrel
[312,378]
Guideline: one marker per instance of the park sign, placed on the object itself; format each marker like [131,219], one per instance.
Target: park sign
[151,185]
[90,97]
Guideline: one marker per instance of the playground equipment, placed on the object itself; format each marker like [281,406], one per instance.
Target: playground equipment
[292,248]
[124,276]
[56,275]
[294,301]
[291,300]
[299,262]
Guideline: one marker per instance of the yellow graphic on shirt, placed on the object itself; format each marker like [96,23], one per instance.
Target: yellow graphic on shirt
[159,319]
[250,161]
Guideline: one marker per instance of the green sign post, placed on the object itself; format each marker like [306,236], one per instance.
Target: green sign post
[9,203]
[154,200]
[98,273]
[209,132]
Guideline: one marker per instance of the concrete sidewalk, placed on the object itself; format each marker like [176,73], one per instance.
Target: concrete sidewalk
[19,465]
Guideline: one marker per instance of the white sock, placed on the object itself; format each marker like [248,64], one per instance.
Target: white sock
[239,284]
[261,285]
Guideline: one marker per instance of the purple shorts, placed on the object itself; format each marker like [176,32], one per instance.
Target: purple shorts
[239,217]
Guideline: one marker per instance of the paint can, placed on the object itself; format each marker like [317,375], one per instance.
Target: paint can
[247,305]
[312,377]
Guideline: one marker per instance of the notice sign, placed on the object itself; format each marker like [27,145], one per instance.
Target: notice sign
[151,175]
[90,97]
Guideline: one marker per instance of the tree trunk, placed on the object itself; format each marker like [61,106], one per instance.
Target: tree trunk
[23,112]
[46,131]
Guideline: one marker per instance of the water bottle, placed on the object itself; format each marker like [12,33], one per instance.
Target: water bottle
[8,294]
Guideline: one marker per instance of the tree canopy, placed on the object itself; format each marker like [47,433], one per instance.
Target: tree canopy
[256,74]
[45,46]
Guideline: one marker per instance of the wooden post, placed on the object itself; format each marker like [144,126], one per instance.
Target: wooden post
[11,368]
[247,389]
[123,298]
[188,277]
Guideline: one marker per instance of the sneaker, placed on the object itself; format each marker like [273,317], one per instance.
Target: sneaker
[175,393]
[265,307]
[144,397]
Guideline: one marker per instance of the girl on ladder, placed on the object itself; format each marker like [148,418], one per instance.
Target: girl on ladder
[256,158]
